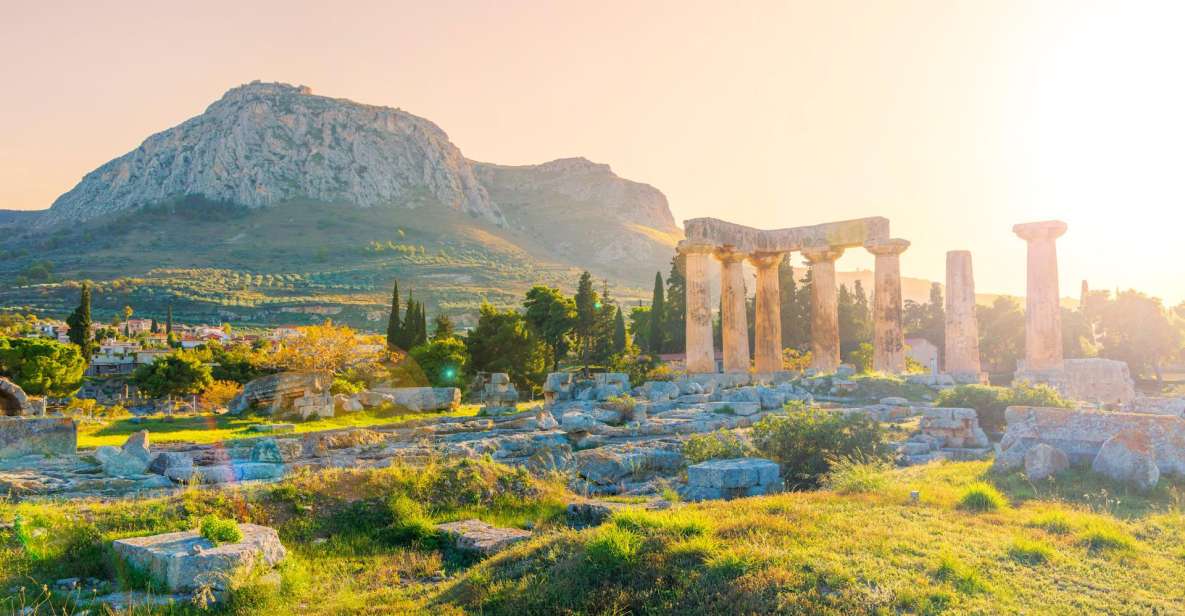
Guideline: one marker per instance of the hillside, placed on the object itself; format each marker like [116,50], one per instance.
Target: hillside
[335,198]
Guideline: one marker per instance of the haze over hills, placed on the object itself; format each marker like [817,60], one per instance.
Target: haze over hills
[340,197]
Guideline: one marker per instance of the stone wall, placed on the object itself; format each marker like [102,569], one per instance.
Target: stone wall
[21,436]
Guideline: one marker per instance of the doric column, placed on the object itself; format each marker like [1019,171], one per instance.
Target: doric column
[888,340]
[768,330]
[962,327]
[733,322]
[1043,312]
[824,307]
[700,356]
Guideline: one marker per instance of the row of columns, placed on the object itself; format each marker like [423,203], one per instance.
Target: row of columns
[889,343]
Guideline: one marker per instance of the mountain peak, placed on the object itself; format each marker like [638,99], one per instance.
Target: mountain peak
[261,89]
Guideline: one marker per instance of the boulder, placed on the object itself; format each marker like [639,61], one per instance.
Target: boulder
[347,404]
[1045,461]
[218,473]
[660,391]
[137,445]
[47,436]
[477,536]
[174,465]
[185,561]
[258,471]
[119,463]
[1128,457]
[268,451]
[557,387]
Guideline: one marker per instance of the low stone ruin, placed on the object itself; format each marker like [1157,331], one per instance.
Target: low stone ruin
[1131,447]
[1094,380]
[729,479]
[481,538]
[306,395]
[498,395]
[276,394]
[26,431]
[185,561]
[946,434]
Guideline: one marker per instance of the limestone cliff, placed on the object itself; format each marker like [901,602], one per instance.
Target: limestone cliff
[263,144]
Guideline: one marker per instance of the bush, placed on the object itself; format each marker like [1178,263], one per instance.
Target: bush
[982,497]
[991,402]
[861,358]
[624,404]
[219,530]
[719,445]
[805,443]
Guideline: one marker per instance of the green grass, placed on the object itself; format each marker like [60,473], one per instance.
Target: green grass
[217,428]
[982,496]
[1030,552]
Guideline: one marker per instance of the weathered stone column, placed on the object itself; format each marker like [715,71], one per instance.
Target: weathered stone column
[700,356]
[734,323]
[888,341]
[824,307]
[1043,312]
[768,330]
[962,327]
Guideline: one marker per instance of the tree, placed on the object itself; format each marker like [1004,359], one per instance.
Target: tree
[796,323]
[1001,334]
[176,374]
[620,341]
[327,348]
[443,327]
[80,324]
[551,316]
[927,320]
[855,322]
[502,341]
[1138,330]
[393,323]
[675,319]
[42,367]
[443,360]
[655,339]
[169,319]
[586,316]
[1077,335]
[639,323]
[127,313]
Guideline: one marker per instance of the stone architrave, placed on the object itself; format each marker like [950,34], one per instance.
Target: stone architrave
[734,323]
[824,307]
[962,327]
[701,357]
[888,339]
[1043,313]
[768,329]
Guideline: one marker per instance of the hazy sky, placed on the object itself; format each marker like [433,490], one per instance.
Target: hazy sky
[955,119]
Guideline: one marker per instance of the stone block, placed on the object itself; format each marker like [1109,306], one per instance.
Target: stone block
[266,450]
[48,436]
[1128,457]
[277,392]
[734,473]
[743,409]
[1045,461]
[185,561]
[1081,434]
[172,465]
[477,536]
[422,399]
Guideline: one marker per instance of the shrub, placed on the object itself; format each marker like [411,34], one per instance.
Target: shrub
[805,443]
[409,524]
[1030,552]
[719,445]
[991,402]
[219,530]
[624,404]
[982,496]
[850,475]
[861,358]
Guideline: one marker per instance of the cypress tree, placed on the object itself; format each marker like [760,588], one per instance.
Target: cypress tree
[169,319]
[393,323]
[421,324]
[586,315]
[619,338]
[80,324]
[676,308]
[655,338]
[407,330]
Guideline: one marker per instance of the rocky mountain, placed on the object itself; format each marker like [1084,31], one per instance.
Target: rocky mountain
[263,144]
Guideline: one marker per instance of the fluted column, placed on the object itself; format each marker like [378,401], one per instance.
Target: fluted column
[824,307]
[700,356]
[962,326]
[888,340]
[768,330]
[734,323]
[1043,313]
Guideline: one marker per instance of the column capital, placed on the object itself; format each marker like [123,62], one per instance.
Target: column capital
[893,246]
[729,254]
[822,254]
[1044,230]
[694,247]
[765,260]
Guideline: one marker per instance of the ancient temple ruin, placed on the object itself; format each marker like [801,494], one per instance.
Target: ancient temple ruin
[732,244]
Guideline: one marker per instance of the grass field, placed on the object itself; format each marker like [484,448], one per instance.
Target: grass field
[1072,546]
[210,428]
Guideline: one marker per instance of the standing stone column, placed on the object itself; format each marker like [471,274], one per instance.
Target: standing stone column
[734,323]
[1043,312]
[888,340]
[962,327]
[824,307]
[768,330]
[700,356]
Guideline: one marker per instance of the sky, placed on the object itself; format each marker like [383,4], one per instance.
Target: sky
[953,118]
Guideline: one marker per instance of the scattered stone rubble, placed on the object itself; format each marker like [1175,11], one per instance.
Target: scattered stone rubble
[305,395]
[185,561]
[946,434]
[1130,447]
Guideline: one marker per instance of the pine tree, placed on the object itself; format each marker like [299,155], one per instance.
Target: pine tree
[586,316]
[80,324]
[655,339]
[674,321]
[443,327]
[619,338]
[393,323]
[795,324]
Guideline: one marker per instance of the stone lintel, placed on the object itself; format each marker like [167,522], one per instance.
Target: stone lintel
[843,234]
[1044,230]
